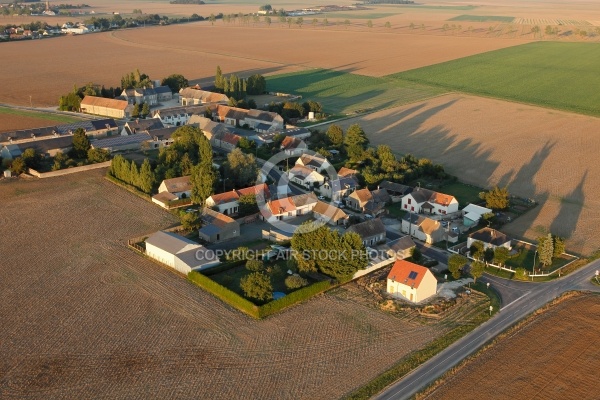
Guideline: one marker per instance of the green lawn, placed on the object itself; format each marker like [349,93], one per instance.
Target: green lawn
[526,259]
[464,193]
[65,119]
[557,75]
[335,16]
[482,18]
[395,210]
[342,92]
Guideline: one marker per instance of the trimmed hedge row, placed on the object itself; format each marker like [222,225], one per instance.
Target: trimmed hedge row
[295,297]
[128,187]
[246,306]
[226,295]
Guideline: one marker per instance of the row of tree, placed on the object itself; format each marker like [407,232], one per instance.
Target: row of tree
[238,88]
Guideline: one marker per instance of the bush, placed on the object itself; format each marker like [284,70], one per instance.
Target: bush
[257,286]
[295,282]
[521,274]
[254,265]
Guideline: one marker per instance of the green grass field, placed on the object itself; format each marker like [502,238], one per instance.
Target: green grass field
[335,16]
[342,92]
[482,18]
[65,119]
[557,75]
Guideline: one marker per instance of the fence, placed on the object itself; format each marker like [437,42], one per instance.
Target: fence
[67,171]
[454,250]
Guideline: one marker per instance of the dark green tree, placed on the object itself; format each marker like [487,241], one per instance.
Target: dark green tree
[497,198]
[219,80]
[146,180]
[501,254]
[476,270]
[335,134]
[255,265]
[97,155]
[546,250]
[559,246]
[242,168]
[203,180]
[145,110]
[477,250]
[175,82]
[18,166]
[257,286]
[456,262]
[256,84]
[81,144]
[247,205]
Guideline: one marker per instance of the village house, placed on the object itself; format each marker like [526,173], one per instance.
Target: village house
[338,188]
[140,96]
[93,128]
[228,202]
[262,121]
[315,162]
[191,96]
[424,201]
[395,190]
[172,189]
[490,238]
[162,137]
[293,146]
[289,207]
[49,147]
[425,229]
[179,253]
[225,140]
[163,93]
[370,202]
[344,172]
[178,116]
[411,282]
[472,213]
[141,125]
[217,227]
[329,214]
[399,249]
[305,177]
[372,232]
[10,152]
[108,107]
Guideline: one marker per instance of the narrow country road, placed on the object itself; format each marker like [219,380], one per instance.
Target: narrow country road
[524,299]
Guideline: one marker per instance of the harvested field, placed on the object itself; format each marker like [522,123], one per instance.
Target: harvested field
[82,314]
[555,356]
[557,75]
[11,119]
[539,153]
[181,51]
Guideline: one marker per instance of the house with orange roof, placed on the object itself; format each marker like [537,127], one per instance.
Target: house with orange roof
[289,207]
[195,96]
[411,282]
[425,229]
[292,146]
[217,227]
[108,107]
[425,201]
[306,177]
[228,202]
[315,162]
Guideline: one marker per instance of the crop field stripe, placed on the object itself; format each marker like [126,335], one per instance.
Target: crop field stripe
[342,92]
[38,115]
[482,18]
[550,74]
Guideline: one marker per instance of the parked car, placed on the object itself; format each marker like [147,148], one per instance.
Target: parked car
[455,230]
[321,197]
[444,223]
[368,216]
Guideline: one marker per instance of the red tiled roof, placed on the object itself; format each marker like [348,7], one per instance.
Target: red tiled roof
[281,206]
[104,102]
[407,273]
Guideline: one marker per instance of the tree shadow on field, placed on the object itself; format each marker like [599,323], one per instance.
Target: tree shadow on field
[523,182]
[571,207]
[415,122]
[209,81]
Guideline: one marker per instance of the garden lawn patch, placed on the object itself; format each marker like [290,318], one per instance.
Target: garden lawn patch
[550,74]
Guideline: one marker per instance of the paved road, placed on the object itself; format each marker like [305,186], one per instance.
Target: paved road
[531,297]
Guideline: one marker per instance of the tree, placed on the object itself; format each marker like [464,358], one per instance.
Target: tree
[18,166]
[559,246]
[521,274]
[146,177]
[299,21]
[501,254]
[212,19]
[219,80]
[295,282]
[189,220]
[96,155]
[59,161]
[335,134]
[488,255]
[257,286]
[416,254]
[203,179]
[256,84]
[476,270]
[456,262]
[546,250]
[325,22]
[497,198]
[347,23]
[412,25]
[356,136]
[369,23]
[81,144]
[247,205]
[31,158]
[535,30]
[175,82]
[255,265]
[243,168]
[388,24]
[145,110]
[549,30]
[268,20]
[477,250]
[386,158]
[135,113]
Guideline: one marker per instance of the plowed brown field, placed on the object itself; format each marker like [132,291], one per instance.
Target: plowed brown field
[539,153]
[554,357]
[83,316]
[195,50]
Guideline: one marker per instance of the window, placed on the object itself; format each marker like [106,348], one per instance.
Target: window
[412,209]
[409,201]
[412,275]
[406,206]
